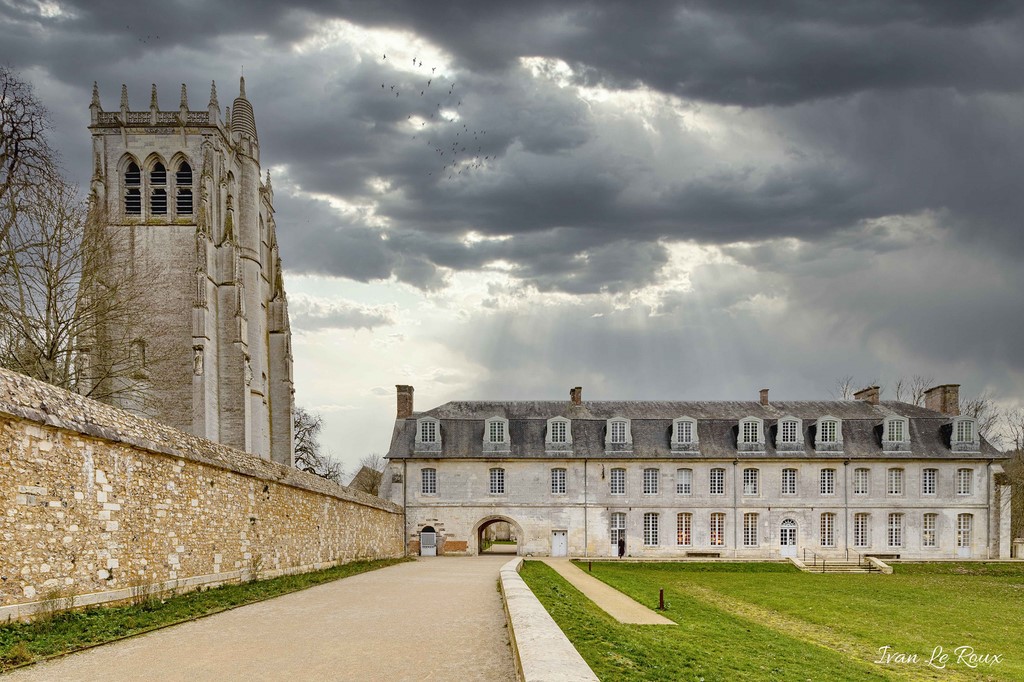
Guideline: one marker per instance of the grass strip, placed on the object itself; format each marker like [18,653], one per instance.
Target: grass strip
[63,633]
[708,644]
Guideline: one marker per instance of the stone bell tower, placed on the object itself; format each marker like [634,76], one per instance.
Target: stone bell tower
[182,199]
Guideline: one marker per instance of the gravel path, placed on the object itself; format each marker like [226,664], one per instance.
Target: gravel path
[432,619]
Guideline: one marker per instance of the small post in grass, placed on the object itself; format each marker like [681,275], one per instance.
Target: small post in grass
[590,566]
[661,599]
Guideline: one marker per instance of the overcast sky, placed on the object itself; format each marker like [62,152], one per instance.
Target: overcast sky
[683,201]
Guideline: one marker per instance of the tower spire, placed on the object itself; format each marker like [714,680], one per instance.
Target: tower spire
[95,96]
[124,97]
[213,95]
[241,87]
[184,97]
[152,98]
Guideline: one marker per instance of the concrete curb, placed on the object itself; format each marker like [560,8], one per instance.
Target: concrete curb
[542,651]
[880,565]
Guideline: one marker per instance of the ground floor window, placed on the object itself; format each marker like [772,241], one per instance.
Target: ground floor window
[963,530]
[651,536]
[750,530]
[860,530]
[717,529]
[895,530]
[928,530]
[618,527]
[828,529]
[684,526]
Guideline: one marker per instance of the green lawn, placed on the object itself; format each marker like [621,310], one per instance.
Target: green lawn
[22,643]
[769,621]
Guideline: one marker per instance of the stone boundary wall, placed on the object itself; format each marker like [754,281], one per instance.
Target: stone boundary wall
[99,503]
[541,649]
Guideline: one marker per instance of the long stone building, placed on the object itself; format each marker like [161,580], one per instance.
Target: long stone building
[758,479]
[180,200]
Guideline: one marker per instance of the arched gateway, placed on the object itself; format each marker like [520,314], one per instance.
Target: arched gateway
[481,527]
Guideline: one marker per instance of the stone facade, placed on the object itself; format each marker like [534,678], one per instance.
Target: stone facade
[448,484]
[96,500]
[181,195]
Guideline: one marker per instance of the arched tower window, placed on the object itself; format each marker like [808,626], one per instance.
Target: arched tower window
[132,190]
[183,181]
[158,193]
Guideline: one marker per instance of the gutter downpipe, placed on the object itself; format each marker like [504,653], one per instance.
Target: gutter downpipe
[846,506]
[405,513]
[735,512]
[988,510]
[586,505]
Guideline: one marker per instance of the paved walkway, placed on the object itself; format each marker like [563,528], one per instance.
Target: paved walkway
[620,607]
[434,619]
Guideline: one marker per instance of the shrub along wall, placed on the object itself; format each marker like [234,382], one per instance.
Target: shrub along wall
[98,502]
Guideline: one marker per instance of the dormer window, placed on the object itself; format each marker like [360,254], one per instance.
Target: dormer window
[751,435]
[496,435]
[559,434]
[964,437]
[617,435]
[790,434]
[896,434]
[828,434]
[684,434]
[428,435]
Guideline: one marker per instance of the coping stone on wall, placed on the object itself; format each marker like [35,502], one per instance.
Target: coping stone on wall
[25,398]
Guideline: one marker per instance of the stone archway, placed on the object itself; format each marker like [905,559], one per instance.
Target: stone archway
[478,539]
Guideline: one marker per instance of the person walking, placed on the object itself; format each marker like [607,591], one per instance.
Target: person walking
[622,547]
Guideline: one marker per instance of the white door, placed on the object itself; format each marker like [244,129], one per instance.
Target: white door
[428,542]
[787,538]
[963,536]
[559,543]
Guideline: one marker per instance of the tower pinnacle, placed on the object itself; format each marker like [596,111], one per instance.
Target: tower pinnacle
[184,97]
[152,98]
[96,96]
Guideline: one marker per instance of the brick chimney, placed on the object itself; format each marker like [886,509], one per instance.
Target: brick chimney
[944,399]
[764,396]
[576,395]
[404,401]
[868,395]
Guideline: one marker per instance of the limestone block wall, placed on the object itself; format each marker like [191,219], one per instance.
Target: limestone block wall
[95,500]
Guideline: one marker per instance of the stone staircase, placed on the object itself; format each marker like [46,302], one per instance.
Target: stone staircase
[837,566]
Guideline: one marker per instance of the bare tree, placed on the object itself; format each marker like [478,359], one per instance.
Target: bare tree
[845,387]
[308,456]
[370,474]
[986,413]
[912,389]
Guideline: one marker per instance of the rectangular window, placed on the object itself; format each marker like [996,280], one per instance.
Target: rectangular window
[860,481]
[828,481]
[750,530]
[684,525]
[860,530]
[895,479]
[895,530]
[618,434]
[750,481]
[651,529]
[928,530]
[617,483]
[828,529]
[558,432]
[618,527]
[750,434]
[965,431]
[963,481]
[896,431]
[651,481]
[717,482]
[789,481]
[428,481]
[558,481]
[788,432]
[717,535]
[497,432]
[929,477]
[497,482]
[684,481]
[684,431]
[963,530]
[827,433]
[428,432]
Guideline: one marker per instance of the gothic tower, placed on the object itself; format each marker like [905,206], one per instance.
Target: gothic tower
[181,198]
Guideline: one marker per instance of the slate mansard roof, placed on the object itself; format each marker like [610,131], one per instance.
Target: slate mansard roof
[462,429]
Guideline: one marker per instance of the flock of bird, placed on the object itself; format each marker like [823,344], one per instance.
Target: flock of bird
[457,151]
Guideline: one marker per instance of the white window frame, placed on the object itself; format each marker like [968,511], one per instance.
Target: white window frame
[496,481]
[680,426]
[559,434]
[964,529]
[861,529]
[716,529]
[684,481]
[652,476]
[428,481]
[751,481]
[617,487]
[789,434]
[894,482]
[964,481]
[827,529]
[964,436]
[827,481]
[618,527]
[789,481]
[652,531]
[684,529]
[750,528]
[929,481]
[750,428]
[894,527]
[929,528]
[491,425]
[558,480]
[428,426]
[621,425]
[889,430]
[825,423]
[718,489]
[862,481]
